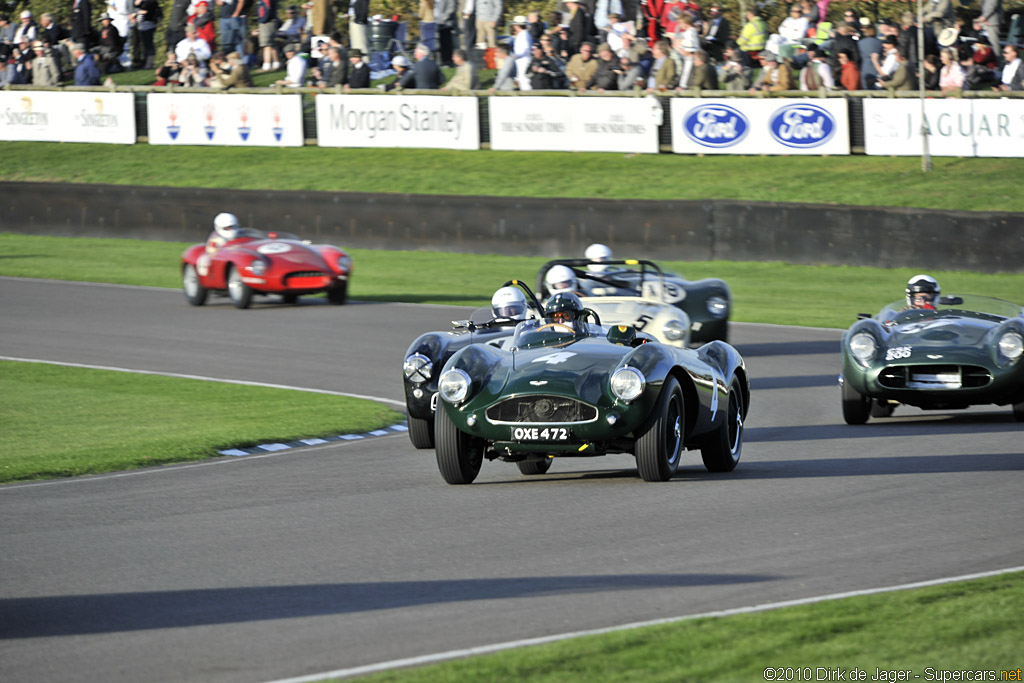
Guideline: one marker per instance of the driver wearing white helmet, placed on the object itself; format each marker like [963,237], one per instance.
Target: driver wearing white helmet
[561,279]
[597,252]
[922,293]
[225,229]
[509,302]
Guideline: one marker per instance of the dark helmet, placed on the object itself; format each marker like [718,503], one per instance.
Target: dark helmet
[923,284]
[564,302]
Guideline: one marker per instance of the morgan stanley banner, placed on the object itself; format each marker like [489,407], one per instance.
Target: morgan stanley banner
[429,121]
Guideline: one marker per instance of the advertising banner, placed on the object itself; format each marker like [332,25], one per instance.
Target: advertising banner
[957,128]
[222,119]
[575,124]
[67,116]
[760,126]
[426,121]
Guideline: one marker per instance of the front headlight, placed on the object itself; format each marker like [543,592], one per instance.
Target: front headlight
[454,386]
[417,368]
[863,347]
[627,384]
[258,267]
[344,263]
[718,307]
[1011,346]
[673,330]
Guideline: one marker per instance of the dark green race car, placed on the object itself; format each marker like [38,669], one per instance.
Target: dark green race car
[578,389]
[967,351]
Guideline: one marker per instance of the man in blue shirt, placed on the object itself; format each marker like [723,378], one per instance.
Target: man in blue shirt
[86,71]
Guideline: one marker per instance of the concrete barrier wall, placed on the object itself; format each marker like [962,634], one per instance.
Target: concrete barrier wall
[667,230]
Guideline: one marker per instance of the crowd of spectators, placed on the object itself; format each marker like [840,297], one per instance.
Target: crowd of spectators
[593,45]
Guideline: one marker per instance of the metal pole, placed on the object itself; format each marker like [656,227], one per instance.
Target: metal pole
[926,157]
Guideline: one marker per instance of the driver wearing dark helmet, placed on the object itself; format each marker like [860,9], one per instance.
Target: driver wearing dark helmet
[564,308]
[922,293]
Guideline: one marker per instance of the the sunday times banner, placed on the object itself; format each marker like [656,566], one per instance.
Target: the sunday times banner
[958,128]
[67,116]
[756,126]
[225,119]
[583,124]
[429,121]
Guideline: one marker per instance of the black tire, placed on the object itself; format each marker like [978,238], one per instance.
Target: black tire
[240,293]
[881,408]
[856,408]
[660,446]
[1018,411]
[194,292]
[421,432]
[531,467]
[722,452]
[459,456]
[338,294]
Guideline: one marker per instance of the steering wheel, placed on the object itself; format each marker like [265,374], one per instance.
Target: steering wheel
[562,325]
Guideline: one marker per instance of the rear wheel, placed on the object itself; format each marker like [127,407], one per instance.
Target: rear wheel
[659,447]
[531,467]
[194,291]
[459,456]
[421,432]
[722,452]
[882,408]
[338,294]
[856,407]
[240,293]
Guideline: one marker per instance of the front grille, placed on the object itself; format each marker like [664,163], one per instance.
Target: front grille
[541,409]
[305,273]
[934,377]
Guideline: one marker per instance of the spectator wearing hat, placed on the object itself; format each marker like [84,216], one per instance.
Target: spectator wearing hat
[522,50]
[715,32]
[775,74]
[543,70]
[192,44]
[26,30]
[869,53]
[1013,69]
[266,26]
[581,68]
[358,72]
[295,67]
[404,77]
[606,77]
[86,72]
[45,71]
[465,77]
[889,61]
[488,12]
[109,46]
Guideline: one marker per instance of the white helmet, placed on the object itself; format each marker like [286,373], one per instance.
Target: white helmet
[560,278]
[925,286]
[226,225]
[509,302]
[597,252]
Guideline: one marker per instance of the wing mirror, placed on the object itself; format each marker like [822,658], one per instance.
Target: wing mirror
[951,300]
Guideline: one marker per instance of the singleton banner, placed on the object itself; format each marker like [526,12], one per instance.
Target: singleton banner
[768,126]
[957,128]
[428,121]
[67,116]
[225,119]
[575,124]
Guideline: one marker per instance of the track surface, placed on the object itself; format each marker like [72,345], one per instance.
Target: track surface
[254,569]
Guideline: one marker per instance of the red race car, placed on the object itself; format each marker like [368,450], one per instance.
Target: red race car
[244,262]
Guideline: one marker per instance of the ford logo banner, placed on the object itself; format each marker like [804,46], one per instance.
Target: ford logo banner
[715,125]
[802,125]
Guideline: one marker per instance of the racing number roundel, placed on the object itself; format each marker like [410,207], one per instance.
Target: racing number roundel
[273,248]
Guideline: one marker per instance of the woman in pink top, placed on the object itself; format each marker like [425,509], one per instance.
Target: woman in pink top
[951,76]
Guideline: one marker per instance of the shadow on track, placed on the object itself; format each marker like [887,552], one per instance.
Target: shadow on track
[67,615]
[800,348]
[898,426]
[877,466]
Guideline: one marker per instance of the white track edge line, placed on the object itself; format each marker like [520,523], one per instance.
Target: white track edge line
[498,647]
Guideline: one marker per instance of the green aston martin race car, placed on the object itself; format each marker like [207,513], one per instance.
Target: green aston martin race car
[965,351]
[572,388]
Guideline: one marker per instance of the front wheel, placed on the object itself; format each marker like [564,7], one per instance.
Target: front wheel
[421,432]
[722,452]
[240,293]
[659,447]
[459,456]
[194,290]
[338,294]
[856,407]
[532,467]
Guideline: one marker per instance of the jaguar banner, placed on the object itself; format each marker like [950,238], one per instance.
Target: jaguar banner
[956,127]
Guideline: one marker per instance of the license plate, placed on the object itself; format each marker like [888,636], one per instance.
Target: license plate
[540,434]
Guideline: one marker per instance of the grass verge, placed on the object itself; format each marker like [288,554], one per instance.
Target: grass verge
[61,421]
[820,296]
[856,180]
[928,632]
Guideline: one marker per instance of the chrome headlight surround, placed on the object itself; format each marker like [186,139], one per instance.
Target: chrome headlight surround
[863,347]
[417,368]
[454,386]
[258,267]
[717,306]
[673,330]
[344,263]
[1010,346]
[627,384]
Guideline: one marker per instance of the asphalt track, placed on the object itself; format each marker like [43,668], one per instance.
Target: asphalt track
[261,568]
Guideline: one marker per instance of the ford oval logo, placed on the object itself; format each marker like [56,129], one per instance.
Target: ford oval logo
[802,125]
[715,125]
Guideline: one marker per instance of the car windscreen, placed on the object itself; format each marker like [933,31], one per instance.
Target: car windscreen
[547,332]
[955,304]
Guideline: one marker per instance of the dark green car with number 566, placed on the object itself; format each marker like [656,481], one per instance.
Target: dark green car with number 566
[558,390]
